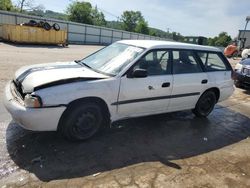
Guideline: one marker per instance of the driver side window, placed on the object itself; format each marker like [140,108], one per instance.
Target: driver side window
[156,62]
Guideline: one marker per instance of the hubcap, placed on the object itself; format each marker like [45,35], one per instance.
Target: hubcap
[206,104]
[85,125]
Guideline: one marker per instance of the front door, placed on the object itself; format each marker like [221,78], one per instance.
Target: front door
[149,95]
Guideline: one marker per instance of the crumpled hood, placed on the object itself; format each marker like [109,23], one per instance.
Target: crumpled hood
[33,76]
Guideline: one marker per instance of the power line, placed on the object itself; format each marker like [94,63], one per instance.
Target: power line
[107,12]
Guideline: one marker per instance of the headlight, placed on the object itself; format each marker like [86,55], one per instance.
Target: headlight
[246,71]
[32,101]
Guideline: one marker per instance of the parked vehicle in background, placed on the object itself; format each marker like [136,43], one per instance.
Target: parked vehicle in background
[126,79]
[245,53]
[242,74]
[231,50]
[200,40]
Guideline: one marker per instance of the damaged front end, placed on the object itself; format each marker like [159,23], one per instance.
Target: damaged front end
[25,99]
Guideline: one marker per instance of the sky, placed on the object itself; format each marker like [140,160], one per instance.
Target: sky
[189,17]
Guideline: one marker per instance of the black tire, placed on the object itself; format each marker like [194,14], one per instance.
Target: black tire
[32,23]
[81,122]
[56,26]
[47,26]
[205,104]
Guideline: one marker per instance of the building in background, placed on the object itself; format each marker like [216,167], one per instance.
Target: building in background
[244,36]
[200,40]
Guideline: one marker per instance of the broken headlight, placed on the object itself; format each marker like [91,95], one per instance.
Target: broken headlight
[32,101]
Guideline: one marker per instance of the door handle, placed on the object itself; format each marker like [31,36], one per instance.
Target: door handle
[150,87]
[204,81]
[165,84]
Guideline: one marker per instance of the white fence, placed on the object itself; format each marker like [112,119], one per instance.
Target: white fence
[78,33]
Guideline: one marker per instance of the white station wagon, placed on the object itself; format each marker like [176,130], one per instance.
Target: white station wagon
[126,79]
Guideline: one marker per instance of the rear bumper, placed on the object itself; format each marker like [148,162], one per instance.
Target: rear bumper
[36,119]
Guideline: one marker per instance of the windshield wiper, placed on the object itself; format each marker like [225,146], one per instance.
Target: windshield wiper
[78,61]
[83,64]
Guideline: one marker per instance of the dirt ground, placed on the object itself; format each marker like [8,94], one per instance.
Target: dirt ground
[168,150]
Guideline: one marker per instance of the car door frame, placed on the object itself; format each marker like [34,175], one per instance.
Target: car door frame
[128,71]
[188,94]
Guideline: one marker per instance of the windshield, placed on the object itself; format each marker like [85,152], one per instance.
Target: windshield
[112,59]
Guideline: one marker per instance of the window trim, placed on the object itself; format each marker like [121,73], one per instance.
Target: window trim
[220,55]
[197,59]
[195,51]
[128,72]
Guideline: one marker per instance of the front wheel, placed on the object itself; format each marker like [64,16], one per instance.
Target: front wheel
[81,122]
[205,104]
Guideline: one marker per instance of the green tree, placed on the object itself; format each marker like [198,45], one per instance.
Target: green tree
[133,21]
[142,27]
[152,32]
[177,37]
[6,5]
[223,39]
[80,12]
[98,18]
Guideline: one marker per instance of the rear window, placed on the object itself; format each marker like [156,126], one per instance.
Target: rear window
[212,61]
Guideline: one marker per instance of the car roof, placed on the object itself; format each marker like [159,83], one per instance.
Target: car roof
[167,44]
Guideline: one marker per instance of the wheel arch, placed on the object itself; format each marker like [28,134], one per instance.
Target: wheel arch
[97,100]
[216,91]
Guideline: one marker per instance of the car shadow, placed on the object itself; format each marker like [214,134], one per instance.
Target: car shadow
[247,92]
[155,138]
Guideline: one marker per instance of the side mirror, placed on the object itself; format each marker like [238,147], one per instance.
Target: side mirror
[139,73]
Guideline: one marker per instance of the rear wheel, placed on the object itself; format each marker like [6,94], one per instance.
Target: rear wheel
[205,104]
[81,122]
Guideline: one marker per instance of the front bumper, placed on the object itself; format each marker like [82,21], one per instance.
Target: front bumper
[36,119]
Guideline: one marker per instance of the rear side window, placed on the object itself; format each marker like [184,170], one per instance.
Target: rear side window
[184,62]
[212,61]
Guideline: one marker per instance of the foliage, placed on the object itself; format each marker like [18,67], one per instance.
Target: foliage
[178,37]
[6,5]
[27,6]
[142,27]
[83,12]
[55,15]
[114,25]
[133,21]
[98,18]
[223,39]
[80,12]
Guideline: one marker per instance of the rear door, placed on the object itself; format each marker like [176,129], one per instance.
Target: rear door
[189,80]
[219,72]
